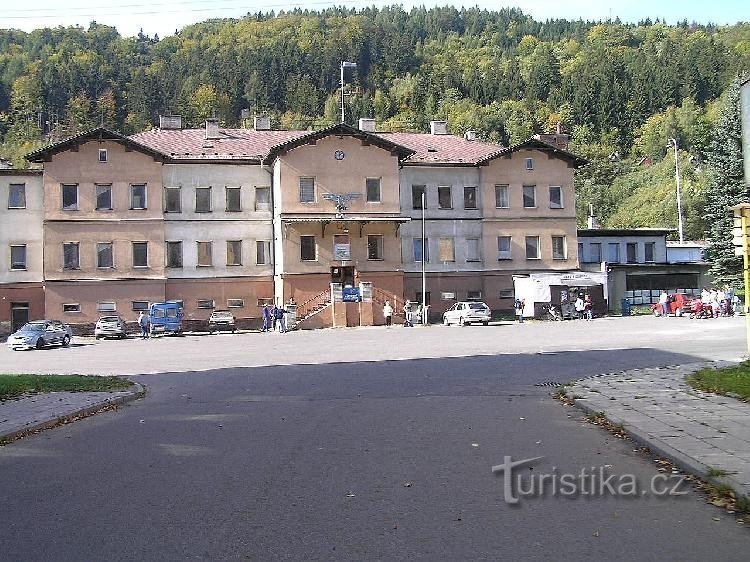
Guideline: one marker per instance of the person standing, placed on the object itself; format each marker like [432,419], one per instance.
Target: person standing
[144,322]
[280,318]
[580,307]
[266,319]
[408,315]
[388,313]
[664,302]
[588,308]
[519,305]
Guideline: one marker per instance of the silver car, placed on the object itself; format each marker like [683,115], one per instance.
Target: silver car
[110,326]
[468,312]
[40,333]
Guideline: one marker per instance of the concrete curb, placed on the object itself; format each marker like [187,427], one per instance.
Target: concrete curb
[661,449]
[134,393]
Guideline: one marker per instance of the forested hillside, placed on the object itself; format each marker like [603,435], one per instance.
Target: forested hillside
[620,90]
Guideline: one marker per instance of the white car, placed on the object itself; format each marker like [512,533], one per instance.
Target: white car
[467,312]
[110,326]
[40,333]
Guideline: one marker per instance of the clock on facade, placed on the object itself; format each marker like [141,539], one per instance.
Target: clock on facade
[339,155]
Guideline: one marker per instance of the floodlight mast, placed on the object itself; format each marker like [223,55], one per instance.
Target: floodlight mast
[344,65]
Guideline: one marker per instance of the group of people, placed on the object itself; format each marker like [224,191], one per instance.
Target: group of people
[409,311]
[716,302]
[274,318]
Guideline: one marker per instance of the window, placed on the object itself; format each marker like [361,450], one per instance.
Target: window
[613,252]
[529,163]
[632,252]
[473,250]
[70,197]
[444,197]
[446,249]
[264,301]
[106,306]
[71,308]
[172,199]
[102,155]
[374,247]
[418,297]
[448,296]
[70,255]
[648,251]
[595,252]
[140,254]
[555,197]
[205,303]
[503,248]
[174,254]
[104,197]
[104,256]
[372,187]
[418,250]
[262,198]
[202,199]
[235,303]
[233,196]
[532,247]
[17,196]
[234,252]
[138,196]
[308,250]
[529,196]
[18,257]
[501,197]
[307,190]
[417,191]
[139,305]
[505,294]
[262,252]
[473,295]
[470,197]
[559,248]
[205,254]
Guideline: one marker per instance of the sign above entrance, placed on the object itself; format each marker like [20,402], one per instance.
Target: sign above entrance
[342,249]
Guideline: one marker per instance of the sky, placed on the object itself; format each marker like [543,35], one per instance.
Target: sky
[164,17]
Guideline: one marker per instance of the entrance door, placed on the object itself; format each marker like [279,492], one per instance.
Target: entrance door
[19,315]
[343,275]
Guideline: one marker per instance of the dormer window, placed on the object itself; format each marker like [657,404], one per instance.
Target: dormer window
[102,155]
[431,149]
[529,163]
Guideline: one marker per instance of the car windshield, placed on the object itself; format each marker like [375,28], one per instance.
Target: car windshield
[477,306]
[108,319]
[222,314]
[33,327]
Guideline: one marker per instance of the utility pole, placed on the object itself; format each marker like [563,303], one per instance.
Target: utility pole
[424,273]
[344,64]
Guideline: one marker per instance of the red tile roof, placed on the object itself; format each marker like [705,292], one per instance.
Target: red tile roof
[442,149]
[232,144]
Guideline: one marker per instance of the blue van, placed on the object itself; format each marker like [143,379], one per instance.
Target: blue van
[166,317]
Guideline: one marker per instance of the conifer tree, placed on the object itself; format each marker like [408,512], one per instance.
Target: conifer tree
[726,188]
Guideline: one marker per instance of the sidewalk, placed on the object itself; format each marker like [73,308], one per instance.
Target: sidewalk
[41,411]
[697,431]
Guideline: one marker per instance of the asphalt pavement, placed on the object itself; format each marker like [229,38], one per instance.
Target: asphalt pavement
[329,456]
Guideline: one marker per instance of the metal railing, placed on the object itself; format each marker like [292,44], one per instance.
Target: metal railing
[313,304]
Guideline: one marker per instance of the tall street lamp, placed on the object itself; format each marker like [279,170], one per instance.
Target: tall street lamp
[673,142]
[344,64]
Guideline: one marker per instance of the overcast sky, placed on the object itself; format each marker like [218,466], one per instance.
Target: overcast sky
[166,16]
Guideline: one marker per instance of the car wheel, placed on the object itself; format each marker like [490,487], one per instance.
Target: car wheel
[40,343]
[66,340]
[445,321]
[485,323]
[461,321]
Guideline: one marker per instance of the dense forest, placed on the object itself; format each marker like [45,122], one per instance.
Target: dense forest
[621,90]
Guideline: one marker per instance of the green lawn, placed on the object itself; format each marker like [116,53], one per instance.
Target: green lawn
[735,380]
[15,385]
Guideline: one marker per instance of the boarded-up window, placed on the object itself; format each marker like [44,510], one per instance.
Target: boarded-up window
[472,250]
[205,258]
[172,200]
[447,250]
[174,254]
[202,199]
[233,197]
[234,252]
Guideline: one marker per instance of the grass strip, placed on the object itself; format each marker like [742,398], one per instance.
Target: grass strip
[12,386]
[733,381]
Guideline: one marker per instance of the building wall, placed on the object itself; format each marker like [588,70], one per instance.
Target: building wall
[659,241]
[220,290]
[22,226]
[518,230]
[31,294]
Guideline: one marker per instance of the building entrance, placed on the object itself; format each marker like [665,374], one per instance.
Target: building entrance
[343,275]
[19,315]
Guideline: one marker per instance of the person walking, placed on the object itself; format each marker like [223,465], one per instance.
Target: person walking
[519,305]
[408,315]
[266,319]
[279,313]
[588,308]
[664,302]
[144,323]
[388,313]
[580,307]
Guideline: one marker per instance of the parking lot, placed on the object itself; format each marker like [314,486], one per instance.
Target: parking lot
[722,338]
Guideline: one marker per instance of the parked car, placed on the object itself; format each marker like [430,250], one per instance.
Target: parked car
[465,313]
[679,304]
[110,326]
[166,317]
[221,320]
[40,333]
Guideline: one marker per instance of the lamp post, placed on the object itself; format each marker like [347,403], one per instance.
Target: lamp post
[424,275]
[673,142]
[344,64]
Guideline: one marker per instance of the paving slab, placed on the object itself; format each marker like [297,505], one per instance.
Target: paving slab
[696,430]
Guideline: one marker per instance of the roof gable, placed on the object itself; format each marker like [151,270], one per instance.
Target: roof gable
[100,133]
[536,144]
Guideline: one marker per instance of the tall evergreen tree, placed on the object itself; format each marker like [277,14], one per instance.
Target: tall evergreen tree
[726,188]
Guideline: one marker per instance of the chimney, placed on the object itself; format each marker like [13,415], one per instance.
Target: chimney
[367,125]
[591,222]
[470,135]
[439,127]
[170,122]
[262,123]
[559,140]
[212,129]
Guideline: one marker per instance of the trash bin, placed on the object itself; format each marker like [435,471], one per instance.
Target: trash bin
[625,307]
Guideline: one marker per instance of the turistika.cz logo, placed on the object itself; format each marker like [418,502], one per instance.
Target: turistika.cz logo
[589,481]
